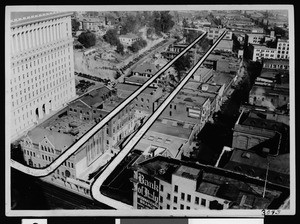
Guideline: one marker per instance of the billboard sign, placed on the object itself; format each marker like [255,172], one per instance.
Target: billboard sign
[147,192]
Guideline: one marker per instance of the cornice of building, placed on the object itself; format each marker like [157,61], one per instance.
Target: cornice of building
[38,18]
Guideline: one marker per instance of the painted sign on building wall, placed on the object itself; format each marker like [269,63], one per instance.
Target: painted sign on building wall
[147,192]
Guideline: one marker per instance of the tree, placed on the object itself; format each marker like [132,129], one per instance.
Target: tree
[120,48]
[111,37]
[75,24]
[182,64]
[185,23]
[137,45]
[129,25]
[162,21]
[87,39]
[150,31]
[190,35]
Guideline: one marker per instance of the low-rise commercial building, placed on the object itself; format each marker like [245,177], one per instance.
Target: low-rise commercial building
[165,183]
[276,64]
[253,128]
[253,164]
[145,101]
[225,45]
[166,137]
[214,33]
[43,144]
[254,38]
[188,108]
[271,97]
[259,52]
[283,49]
[214,91]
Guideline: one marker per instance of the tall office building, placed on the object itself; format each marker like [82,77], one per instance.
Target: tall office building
[42,66]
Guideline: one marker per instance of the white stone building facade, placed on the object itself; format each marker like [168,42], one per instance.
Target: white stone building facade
[41,69]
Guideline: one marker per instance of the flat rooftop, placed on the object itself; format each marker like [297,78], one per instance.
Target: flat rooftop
[125,87]
[172,128]
[246,192]
[69,124]
[278,163]
[263,47]
[269,90]
[221,78]
[193,101]
[276,61]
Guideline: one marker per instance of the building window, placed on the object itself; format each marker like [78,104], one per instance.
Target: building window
[168,196]
[189,198]
[188,207]
[203,202]
[168,206]
[181,206]
[176,188]
[161,187]
[175,199]
[182,196]
[160,198]
[197,200]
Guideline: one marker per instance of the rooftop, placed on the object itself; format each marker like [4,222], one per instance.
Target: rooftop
[276,61]
[96,97]
[146,68]
[221,78]
[68,125]
[263,47]
[129,88]
[25,18]
[278,163]
[60,141]
[217,182]
[202,72]
[23,15]
[225,63]
[129,35]
[187,172]
[225,44]
[257,119]
[157,139]
[201,89]
[268,91]
[256,34]
[136,79]
[173,128]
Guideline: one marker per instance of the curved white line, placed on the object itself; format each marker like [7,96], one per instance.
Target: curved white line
[95,190]
[66,154]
